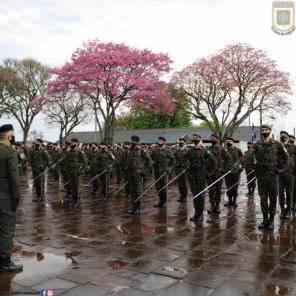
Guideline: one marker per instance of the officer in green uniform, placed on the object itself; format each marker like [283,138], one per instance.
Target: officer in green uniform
[249,165]
[54,154]
[163,161]
[181,164]
[136,158]
[39,160]
[202,164]
[286,178]
[271,159]
[232,179]
[9,197]
[75,161]
[223,165]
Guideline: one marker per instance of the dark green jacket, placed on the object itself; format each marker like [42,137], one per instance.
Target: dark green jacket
[9,174]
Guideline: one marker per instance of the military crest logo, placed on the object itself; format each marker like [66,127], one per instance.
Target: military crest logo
[283,17]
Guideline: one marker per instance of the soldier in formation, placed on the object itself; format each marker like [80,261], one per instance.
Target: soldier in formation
[271,160]
[39,160]
[249,166]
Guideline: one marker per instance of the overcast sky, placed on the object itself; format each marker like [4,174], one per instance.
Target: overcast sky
[50,30]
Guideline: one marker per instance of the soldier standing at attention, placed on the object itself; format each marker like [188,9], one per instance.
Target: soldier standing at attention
[9,197]
[104,160]
[163,161]
[202,164]
[286,178]
[271,159]
[181,164]
[64,169]
[136,158]
[39,160]
[223,165]
[249,165]
[75,162]
[232,179]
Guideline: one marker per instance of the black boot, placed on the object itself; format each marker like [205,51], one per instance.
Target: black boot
[283,211]
[212,210]
[287,213]
[234,204]
[270,225]
[161,203]
[264,223]
[6,265]
[217,208]
[198,216]
[37,199]
[229,202]
[133,209]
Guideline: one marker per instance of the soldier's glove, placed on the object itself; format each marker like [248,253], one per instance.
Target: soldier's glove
[14,204]
[168,171]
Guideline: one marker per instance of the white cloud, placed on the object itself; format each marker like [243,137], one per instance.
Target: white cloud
[51,30]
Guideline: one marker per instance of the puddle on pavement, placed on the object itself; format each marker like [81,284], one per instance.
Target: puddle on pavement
[133,229]
[117,264]
[40,265]
[277,289]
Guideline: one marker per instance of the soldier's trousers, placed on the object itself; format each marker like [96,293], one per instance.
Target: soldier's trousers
[7,228]
[39,182]
[104,184]
[251,184]
[215,190]
[230,180]
[268,191]
[73,179]
[161,183]
[95,184]
[182,183]
[126,179]
[197,184]
[118,172]
[286,184]
[135,182]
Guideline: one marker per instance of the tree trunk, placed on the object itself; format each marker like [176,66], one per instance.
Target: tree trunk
[26,134]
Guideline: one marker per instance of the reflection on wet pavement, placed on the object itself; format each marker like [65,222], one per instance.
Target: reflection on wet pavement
[98,249]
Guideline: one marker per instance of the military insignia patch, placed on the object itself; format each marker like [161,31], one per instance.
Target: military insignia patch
[283,17]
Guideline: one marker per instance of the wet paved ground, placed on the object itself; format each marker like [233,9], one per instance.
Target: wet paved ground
[100,250]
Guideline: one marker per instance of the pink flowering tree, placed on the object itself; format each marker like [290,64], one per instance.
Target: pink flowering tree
[225,88]
[112,76]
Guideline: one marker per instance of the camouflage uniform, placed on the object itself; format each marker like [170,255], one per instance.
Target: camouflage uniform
[232,179]
[63,170]
[39,161]
[117,168]
[271,159]
[124,165]
[75,160]
[54,156]
[286,183]
[202,163]
[181,164]
[249,165]
[163,160]
[92,158]
[223,159]
[135,160]
[104,161]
